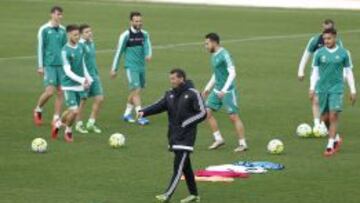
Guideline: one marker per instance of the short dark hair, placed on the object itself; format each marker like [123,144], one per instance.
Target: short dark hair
[330,31]
[213,37]
[82,27]
[329,21]
[134,13]
[180,73]
[56,8]
[72,27]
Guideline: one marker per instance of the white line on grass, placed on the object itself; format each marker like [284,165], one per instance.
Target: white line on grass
[187,44]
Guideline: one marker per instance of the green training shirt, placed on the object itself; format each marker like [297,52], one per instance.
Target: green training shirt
[220,62]
[90,57]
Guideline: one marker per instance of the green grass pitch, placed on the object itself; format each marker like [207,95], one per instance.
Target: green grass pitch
[266,45]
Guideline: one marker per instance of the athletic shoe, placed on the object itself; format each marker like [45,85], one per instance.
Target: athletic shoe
[37,117]
[54,131]
[337,144]
[241,148]
[162,198]
[191,198]
[68,137]
[129,119]
[329,152]
[143,121]
[81,129]
[93,128]
[216,145]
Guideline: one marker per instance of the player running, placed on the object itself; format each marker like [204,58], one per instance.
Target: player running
[135,44]
[95,91]
[315,43]
[221,91]
[330,64]
[75,81]
[51,38]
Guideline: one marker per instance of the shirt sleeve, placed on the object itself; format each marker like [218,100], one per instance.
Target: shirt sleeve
[316,61]
[40,47]
[68,71]
[120,50]
[311,46]
[231,70]
[147,46]
[348,60]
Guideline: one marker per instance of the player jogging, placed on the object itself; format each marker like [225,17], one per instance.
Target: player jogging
[135,44]
[51,38]
[186,109]
[75,81]
[316,42]
[330,63]
[221,91]
[95,91]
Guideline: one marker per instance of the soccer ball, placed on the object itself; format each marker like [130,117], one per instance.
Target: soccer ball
[303,130]
[39,145]
[117,140]
[320,130]
[275,146]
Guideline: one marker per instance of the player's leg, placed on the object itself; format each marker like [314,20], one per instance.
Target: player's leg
[179,162]
[91,124]
[213,103]
[72,100]
[190,182]
[127,116]
[79,126]
[59,96]
[139,79]
[315,110]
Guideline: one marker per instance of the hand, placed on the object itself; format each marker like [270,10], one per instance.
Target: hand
[86,84]
[148,59]
[40,71]
[221,94]
[301,77]
[139,114]
[112,74]
[205,93]
[353,99]
[311,94]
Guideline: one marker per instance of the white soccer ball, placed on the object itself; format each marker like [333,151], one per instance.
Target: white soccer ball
[39,145]
[320,130]
[275,146]
[303,130]
[117,140]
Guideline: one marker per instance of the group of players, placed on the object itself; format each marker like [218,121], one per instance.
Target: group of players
[67,60]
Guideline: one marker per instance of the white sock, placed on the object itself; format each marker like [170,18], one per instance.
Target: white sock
[316,121]
[68,129]
[58,123]
[330,143]
[38,109]
[137,109]
[242,142]
[128,110]
[217,136]
[91,121]
[337,137]
[56,117]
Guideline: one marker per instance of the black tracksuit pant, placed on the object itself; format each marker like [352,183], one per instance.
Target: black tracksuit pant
[182,165]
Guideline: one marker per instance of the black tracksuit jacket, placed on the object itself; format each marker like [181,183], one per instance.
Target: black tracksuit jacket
[185,108]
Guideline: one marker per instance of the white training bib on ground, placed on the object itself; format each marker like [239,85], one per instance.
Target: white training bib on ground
[39,145]
[303,130]
[117,140]
[275,146]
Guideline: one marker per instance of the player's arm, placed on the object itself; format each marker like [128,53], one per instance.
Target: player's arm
[231,76]
[86,73]
[69,72]
[349,75]
[147,47]
[305,58]
[156,108]
[40,51]
[198,107]
[314,78]
[209,86]
[119,51]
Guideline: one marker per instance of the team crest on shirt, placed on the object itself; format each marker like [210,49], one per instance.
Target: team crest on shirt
[186,96]
[49,32]
[337,57]
[323,59]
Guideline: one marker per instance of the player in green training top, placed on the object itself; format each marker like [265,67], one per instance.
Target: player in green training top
[135,44]
[51,39]
[95,90]
[221,91]
[330,64]
[316,42]
[75,81]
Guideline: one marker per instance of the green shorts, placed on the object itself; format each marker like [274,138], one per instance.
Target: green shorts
[229,101]
[53,75]
[330,102]
[95,89]
[136,79]
[73,98]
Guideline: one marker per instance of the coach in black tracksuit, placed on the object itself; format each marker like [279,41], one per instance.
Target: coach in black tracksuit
[186,109]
